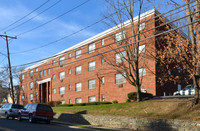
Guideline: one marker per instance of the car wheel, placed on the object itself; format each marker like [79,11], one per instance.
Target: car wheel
[19,117]
[7,116]
[31,119]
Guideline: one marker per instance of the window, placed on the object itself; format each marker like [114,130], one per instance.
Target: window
[102,61]
[36,94]
[119,57]
[120,36]
[78,70]
[142,72]
[91,66]
[78,100]
[142,26]
[91,99]
[54,76]
[22,87]
[62,102]
[62,90]
[62,75]
[54,91]
[31,73]
[31,85]
[40,73]
[44,72]
[78,53]
[70,71]
[22,76]
[22,98]
[69,87]
[31,96]
[91,84]
[53,62]
[36,69]
[142,48]
[102,80]
[69,55]
[36,82]
[62,60]
[69,101]
[102,42]
[91,48]
[78,86]
[103,98]
[119,78]
[48,71]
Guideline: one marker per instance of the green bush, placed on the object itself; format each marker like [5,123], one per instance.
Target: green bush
[128,100]
[66,105]
[53,103]
[80,104]
[133,96]
[114,102]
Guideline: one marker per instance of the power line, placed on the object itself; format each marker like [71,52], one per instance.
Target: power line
[93,25]
[26,15]
[34,16]
[53,19]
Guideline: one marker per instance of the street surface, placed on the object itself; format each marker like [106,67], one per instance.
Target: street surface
[14,125]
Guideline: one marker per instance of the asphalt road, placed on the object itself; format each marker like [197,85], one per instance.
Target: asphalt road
[14,125]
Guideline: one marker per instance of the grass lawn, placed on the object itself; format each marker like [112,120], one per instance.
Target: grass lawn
[169,109]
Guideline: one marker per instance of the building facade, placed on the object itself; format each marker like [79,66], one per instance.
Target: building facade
[81,74]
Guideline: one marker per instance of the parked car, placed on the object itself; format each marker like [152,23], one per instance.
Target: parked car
[188,90]
[10,110]
[35,111]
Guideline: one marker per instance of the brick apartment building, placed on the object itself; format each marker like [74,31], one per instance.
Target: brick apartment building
[79,74]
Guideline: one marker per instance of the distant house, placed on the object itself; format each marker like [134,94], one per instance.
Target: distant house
[16,94]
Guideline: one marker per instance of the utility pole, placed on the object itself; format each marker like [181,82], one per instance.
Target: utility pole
[9,64]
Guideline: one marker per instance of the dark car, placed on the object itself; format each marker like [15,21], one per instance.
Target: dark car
[10,110]
[35,111]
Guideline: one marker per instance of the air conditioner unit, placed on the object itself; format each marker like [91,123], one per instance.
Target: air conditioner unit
[120,85]
[61,80]
[61,65]
[119,43]
[61,95]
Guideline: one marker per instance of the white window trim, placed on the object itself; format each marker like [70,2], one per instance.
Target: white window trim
[78,70]
[91,84]
[92,99]
[120,36]
[78,53]
[120,57]
[62,90]
[91,48]
[120,79]
[142,48]
[78,86]
[78,100]
[142,72]
[91,66]
[61,75]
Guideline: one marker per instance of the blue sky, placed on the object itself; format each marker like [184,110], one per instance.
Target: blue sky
[12,10]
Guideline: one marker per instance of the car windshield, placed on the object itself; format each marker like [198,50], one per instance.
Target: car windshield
[44,108]
[17,106]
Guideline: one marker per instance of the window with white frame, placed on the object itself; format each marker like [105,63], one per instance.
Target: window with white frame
[22,98]
[78,53]
[31,96]
[31,73]
[120,36]
[62,60]
[31,85]
[119,57]
[91,66]
[142,26]
[54,90]
[53,62]
[102,80]
[119,78]
[40,73]
[62,102]
[78,100]
[49,71]
[102,97]
[142,72]
[78,86]
[91,84]
[22,87]
[62,75]
[36,94]
[62,90]
[78,70]
[102,61]
[69,101]
[91,99]
[102,42]
[70,71]
[44,72]
[36,82]
[22,76]
[54,76]
[69,55]
[142,48]
[70,87]
[91,48]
